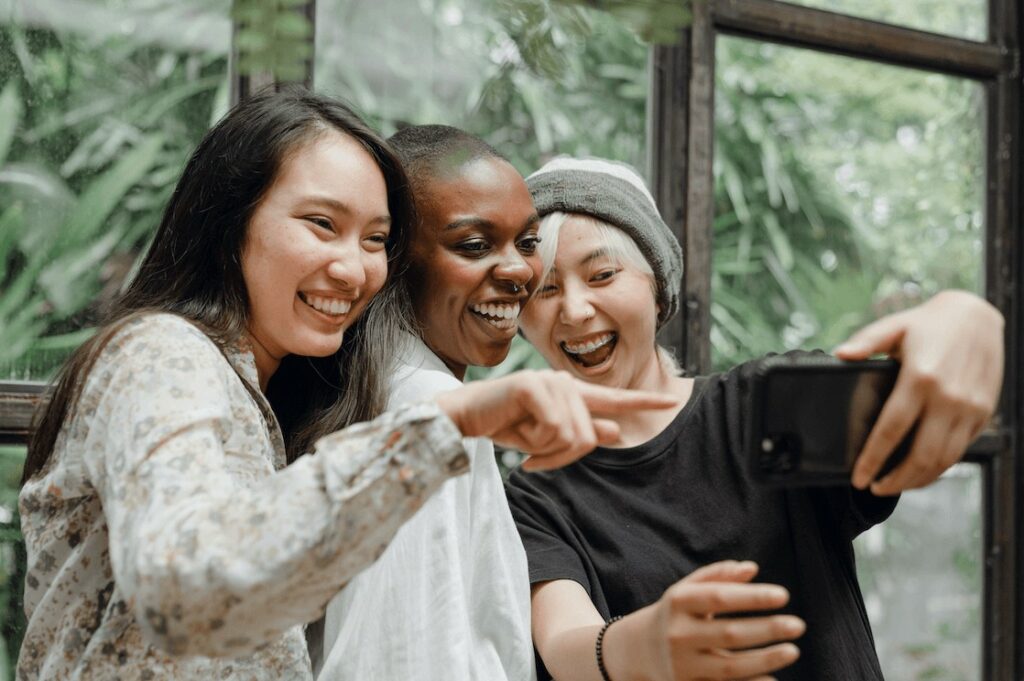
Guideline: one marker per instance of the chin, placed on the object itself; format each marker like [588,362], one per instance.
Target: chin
[321,347]
[492,359]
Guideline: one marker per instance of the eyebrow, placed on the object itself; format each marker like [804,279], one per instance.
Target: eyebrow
[590,257]
[485,224]
[339,207]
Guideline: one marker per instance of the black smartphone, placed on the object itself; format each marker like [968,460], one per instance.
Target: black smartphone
[810,416]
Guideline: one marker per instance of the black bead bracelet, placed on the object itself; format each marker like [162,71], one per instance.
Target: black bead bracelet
[597,647]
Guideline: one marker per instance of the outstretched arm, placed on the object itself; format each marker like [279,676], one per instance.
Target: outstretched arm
[674,639]
[951,354]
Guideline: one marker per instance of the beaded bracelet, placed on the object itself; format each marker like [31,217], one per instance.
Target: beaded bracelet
[599,652]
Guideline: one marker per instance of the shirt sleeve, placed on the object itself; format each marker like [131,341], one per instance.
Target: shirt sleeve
[547,536]
[216,563]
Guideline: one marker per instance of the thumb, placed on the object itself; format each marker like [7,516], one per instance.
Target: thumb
[724,571]
[607,431]
[882,336]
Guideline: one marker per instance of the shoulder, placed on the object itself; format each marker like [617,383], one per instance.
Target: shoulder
[159,355]
[413,382]
[160,341]
[159,330]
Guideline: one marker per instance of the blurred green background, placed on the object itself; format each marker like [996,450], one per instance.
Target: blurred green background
[843,190]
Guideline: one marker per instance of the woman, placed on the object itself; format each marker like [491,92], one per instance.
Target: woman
[610,535]
[450,598]
[166,538]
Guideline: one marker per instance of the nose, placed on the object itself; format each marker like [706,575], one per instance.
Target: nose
[513,270]
[575,307]
[346,266]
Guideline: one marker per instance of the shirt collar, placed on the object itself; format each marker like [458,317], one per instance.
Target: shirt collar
[242,359]
[414,353]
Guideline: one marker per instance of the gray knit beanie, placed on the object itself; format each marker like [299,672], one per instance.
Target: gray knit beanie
[614,193]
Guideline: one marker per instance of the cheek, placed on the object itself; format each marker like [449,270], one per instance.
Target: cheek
[537,322]
[537,267]
[456,277]
[376,272]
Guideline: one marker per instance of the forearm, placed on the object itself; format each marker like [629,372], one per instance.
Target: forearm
[217,568]
[571,654]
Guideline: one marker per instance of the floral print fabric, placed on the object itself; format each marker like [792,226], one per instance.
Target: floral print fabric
[166,540]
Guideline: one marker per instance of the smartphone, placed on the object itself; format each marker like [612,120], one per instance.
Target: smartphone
[810,416]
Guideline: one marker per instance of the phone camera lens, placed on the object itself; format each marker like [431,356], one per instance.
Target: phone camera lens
[779,453]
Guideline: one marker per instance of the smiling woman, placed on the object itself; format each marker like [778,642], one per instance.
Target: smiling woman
[474,256]
[686,504]
[315,253]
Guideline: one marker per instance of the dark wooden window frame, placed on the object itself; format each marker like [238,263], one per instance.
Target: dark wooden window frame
[681,135]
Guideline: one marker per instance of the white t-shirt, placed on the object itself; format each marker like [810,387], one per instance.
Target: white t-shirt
[450,596]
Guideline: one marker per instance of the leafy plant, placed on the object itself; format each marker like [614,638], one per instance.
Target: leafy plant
[84,175]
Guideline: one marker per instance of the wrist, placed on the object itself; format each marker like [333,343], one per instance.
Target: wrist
[448,403]
[624,649]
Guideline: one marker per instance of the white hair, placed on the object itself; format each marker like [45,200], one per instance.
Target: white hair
[619,247]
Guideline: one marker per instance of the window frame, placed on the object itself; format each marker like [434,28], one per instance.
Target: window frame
[680,142]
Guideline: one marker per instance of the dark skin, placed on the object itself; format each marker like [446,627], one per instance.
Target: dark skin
[474,261]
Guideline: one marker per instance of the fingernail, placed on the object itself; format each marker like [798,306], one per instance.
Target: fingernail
[776,592]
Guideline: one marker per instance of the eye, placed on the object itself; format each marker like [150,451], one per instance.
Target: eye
[473,247]
[604,275]
[321,222]
[545,290]
[528,244]
[377,241]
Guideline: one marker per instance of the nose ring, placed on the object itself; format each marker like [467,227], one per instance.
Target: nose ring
[516,288]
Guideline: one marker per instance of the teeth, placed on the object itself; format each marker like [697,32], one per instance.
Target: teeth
[589,346]
[331,306]
[505,311]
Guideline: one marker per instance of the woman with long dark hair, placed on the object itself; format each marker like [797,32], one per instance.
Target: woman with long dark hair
[166,537]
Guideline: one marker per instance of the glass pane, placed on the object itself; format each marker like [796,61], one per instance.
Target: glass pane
[99,109]
[960,18]
[530,77]
[921,574]
[844,190]
[12,560]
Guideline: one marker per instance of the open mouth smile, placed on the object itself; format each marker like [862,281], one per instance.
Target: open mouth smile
[332,307]
[499,315]
[592,351]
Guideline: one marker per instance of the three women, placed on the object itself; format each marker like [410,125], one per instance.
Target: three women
[167,539]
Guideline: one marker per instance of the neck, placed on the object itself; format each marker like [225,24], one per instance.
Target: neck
[266,362]
[458,370]
[641,425]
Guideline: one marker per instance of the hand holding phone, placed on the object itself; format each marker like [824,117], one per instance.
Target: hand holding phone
[951,353]
[811,414]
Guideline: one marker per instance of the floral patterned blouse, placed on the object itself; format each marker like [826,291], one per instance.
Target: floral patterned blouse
[167,540]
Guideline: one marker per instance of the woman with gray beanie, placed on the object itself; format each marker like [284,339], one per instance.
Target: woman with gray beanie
[666,530]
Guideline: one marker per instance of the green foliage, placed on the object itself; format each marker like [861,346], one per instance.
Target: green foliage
[655,21]
[84,174]
[273,36]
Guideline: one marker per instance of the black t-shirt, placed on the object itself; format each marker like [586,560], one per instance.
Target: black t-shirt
[628,523]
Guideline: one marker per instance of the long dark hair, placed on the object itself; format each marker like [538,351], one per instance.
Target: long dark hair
[193,269]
